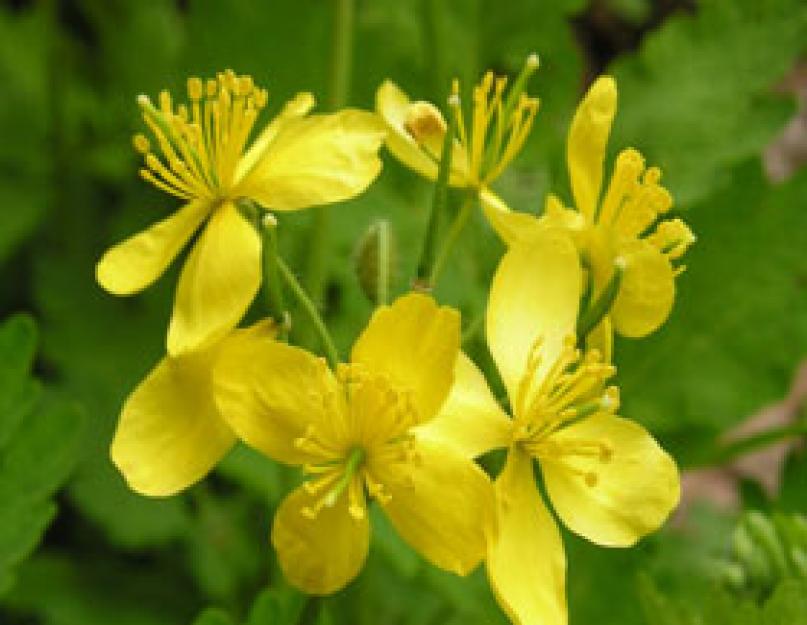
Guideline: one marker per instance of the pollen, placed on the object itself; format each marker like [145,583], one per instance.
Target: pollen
[200,142]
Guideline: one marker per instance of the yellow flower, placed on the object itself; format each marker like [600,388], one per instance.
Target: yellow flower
[498,128]
[352,431]
[170,433]
[606,477]
[295,162]
[618,232]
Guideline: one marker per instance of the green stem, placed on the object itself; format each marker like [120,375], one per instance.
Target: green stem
[428,255]
[316,273]
[310,612]
[451,237]
[593,314]
[310,309]
[273,289]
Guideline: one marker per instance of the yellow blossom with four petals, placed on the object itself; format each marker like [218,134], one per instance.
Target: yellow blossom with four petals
[353,431]
[606,477]
[297,161]
[618,232]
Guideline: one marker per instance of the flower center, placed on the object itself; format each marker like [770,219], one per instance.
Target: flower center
[367,445]
[498,128]
[200,143]
[572,389]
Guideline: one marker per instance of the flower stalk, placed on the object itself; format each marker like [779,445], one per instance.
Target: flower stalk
[429,255]
[310,310]
[272,286]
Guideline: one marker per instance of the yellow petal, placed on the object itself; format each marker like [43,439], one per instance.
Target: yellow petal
[392,105]
[269,392]
[443,511]
[588,136]
[525,560]
[647,291]
[297,107]
[396,109]
[320,555]
[535,293]
[471,420]
[511,226]
[170,433]
[218,283]
[316,160]
[635,488]
[415,344]
[138,261]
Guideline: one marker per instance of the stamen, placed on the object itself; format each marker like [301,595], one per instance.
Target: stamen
[201,142]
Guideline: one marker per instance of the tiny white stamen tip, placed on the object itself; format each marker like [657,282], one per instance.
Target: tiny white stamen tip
[620,262]
[533,61]
[608,402]
[143,100]
[454,100]
[269,220]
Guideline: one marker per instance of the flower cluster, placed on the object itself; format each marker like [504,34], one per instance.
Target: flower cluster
[406,419]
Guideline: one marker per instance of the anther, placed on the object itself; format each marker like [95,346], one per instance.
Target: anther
[141,144]
[591,479]
[195,88]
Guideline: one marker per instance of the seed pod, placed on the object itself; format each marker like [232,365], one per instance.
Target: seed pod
[376,260]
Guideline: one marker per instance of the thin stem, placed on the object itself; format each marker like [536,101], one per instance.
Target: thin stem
[451,237]
[272,287]
[601,305]
[310,612]
[339,87]
[310,309]
[428,255]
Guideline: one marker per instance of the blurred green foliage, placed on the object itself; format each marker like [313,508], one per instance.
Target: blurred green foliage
[698,97]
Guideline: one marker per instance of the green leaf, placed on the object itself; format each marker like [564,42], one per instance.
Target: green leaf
[694,100]
[39,442]
[740,316]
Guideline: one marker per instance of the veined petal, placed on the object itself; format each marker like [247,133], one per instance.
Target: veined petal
[218,283]
[270,392]
[299,106]
[170,433]
[588,136]
[525,559]
[616,498]
[319,159]
[415,344]
[535,294]
[395,108]
[511,226]
[320,555]
[647,291]
[443,511]
[134,264]
[471,420]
